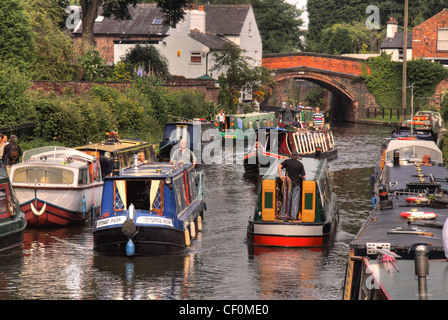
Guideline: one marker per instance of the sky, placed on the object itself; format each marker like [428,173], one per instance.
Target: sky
[301,4]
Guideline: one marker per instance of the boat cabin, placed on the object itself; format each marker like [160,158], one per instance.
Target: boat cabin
[236,125]
[116,153]
[163,202]
[55,166]
[315,195]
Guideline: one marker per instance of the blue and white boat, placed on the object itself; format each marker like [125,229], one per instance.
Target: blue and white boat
[150,209]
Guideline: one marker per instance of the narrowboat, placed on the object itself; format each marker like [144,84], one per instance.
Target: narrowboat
[317,216]
[240,129]
[400,252]
[198,133]
[12,219]
[424,125]
[57,186]
[118,152]
[278,143]
[150,209]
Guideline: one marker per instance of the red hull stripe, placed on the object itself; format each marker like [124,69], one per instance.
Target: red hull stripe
[51,216]
[281,241]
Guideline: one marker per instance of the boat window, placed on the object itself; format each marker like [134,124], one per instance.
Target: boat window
[145,194]
[119,195]
[181,199]
[83,176]
[193,190]
[3,202]
[43,175]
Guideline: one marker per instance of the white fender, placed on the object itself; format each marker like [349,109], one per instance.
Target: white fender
[38,213]
[445,238]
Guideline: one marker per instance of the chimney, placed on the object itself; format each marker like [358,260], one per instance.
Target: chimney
[392,26]
[197,19]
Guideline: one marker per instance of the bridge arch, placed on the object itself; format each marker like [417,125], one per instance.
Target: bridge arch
[339,75]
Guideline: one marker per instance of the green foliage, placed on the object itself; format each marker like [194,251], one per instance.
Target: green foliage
[146,60]
[385,80]
[16,40]
[315,98]
[53,52]
[94,67]
[14,102]
[350,38]
[278,23]
[238,75]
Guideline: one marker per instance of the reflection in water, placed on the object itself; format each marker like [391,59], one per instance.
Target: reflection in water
[60,263]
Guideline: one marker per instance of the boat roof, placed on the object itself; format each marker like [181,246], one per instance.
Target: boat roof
[112,146]
[57,153]
[313,168]
[413,149]
[157,170]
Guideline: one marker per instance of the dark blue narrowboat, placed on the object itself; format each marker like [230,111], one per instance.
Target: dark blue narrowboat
[150,209]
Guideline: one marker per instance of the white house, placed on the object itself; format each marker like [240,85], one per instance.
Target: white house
[393,43]
[189,47]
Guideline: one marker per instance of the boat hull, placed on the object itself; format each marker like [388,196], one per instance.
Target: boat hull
[150,240]
[11,234]
[58,207]
[287,234]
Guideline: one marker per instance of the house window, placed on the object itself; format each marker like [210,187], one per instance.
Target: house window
[157,21]
[442,39]
[250,29]
[196,57]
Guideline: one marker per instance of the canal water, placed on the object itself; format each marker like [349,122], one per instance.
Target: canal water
[220,265]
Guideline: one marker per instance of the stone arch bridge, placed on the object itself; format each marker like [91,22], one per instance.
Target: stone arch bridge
[349,96]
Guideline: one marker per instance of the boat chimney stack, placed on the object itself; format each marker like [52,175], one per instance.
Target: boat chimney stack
[116,165]
[422,270]
[396,158]
[135,161]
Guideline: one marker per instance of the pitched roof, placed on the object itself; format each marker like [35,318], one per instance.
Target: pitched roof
[225,19]
[209,39]
[396,42]
[220,19]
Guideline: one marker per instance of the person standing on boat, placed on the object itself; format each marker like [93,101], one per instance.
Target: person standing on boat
[220,117]
[2,146]
[318,118]
[11,153]
[296,172]
[183,155]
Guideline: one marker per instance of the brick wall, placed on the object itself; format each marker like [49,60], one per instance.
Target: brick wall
[321,61]
[81,87]
[105,45]
[424,37]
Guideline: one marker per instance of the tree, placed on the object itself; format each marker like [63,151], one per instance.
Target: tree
[279,24]
[16,40]
[173,11]
[237,74]
[54,53]
[149,58]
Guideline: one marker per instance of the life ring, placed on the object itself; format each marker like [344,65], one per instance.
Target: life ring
[419,215]
[416,199]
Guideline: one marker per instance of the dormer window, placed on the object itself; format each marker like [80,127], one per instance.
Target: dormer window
[442,39]
[157,21]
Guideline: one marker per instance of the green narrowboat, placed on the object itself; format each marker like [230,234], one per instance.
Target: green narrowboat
[241,127]
[12,219]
